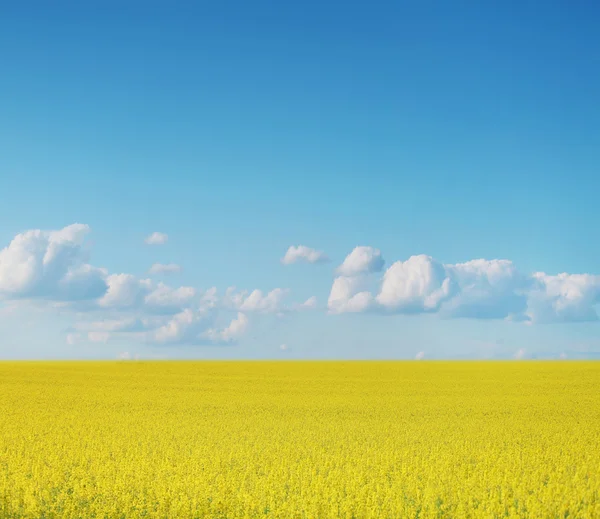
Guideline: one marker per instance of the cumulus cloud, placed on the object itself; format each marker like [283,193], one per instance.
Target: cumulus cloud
[310,303]
[361,260]
[53,266]
[348,295]
[157,313]
[283,347]
[50,265]
[164,299]
[256,301]
[419,284]
[564,298]
[420,355]
[231,333]
[195,327]
[182,327]
[488,289]
[301,253]
[51,269]
[125,291]
[157,238]
[520,354]
[480,289]
[164,268]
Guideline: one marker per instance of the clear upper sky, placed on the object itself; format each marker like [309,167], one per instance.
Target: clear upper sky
[456,130]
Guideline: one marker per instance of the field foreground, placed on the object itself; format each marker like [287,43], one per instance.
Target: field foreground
[299,439]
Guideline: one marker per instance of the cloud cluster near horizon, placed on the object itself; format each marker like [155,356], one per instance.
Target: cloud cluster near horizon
[478,289]
[54,267]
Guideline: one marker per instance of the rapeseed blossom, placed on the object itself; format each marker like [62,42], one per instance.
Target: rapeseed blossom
[299,440]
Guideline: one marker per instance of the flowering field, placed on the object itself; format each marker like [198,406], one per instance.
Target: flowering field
[299,439]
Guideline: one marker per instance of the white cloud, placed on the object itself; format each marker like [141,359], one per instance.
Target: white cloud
[181,327]
[520,354]
[564,298]
[347,295]
[197,327]
[164,268]
[419,284]
[157,238]
[420,355]
[231,333]
[301,253]
[361,260]
[169,300]
[124,355]
[283,347]
[563,356]
[256,301]
[210,298]
[51,270]
[310,303]
[124,290]
[483,289]
[488,289]
[50,265]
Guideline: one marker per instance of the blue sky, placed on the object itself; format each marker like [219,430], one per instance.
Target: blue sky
[451,130]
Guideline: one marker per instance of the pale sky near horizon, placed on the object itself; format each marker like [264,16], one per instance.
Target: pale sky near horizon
[299,180]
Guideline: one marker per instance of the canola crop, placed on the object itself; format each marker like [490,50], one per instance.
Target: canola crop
[296,440]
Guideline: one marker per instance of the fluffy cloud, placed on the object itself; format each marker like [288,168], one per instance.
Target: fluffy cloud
[125,291]
[564,297]
[193,327]
[476,289]
[157,238]
[162,268]
[361,260]
[310,303]
[182,327]
[419,284]
[52,268]
[50,265]
[164,299]
[231,333]
[348,295]
[488,289]
[479,289]
[256,301]
[302,253]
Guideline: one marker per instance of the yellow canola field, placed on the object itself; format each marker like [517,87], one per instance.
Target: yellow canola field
[299,439]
